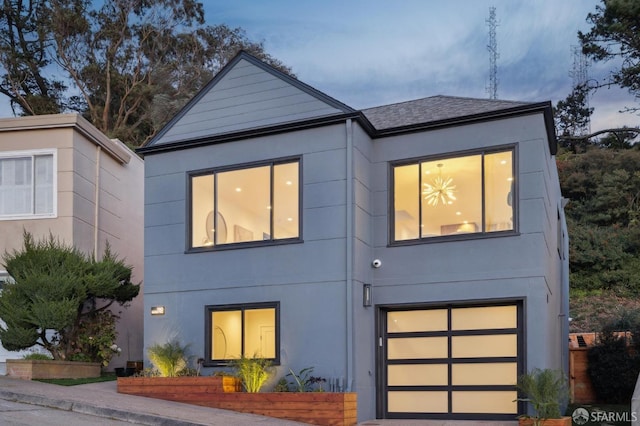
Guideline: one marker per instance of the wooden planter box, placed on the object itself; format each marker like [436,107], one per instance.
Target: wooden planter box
[319,408]
[49,369]
[181,389]
[565,421]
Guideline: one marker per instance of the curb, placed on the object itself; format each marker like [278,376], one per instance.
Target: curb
[83,408]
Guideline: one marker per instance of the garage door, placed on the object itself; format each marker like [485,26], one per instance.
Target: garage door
[453,362]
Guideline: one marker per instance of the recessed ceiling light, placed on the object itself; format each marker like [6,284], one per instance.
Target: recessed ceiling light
[503,162]
[238,189]
[509,179]
[290,219]
[458,213]
[289,182]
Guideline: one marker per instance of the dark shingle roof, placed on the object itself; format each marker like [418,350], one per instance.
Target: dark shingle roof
[432,109]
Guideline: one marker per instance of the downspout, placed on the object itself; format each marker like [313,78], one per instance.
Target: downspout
[96,211]
[349,256]
[564,294]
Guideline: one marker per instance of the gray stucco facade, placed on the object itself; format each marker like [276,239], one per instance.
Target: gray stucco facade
[346,164]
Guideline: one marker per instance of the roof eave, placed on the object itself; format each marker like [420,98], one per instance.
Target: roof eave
[249,133]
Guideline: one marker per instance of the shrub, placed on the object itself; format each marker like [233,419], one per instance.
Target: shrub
[169,359]
[38,357]
[613,370]
[253,372]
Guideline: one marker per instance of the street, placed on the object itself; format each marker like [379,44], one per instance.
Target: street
[19,414]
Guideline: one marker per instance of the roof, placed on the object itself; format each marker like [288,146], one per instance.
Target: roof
[432,109]
[382,121]
[113,147]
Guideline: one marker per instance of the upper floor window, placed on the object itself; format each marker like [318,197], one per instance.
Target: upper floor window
[27,184]
[470,194]
[246,204]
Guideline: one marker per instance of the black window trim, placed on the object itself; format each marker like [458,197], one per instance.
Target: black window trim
[242,166]
[447,156]
[209,309]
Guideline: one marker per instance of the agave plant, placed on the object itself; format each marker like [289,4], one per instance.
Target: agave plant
[170,359]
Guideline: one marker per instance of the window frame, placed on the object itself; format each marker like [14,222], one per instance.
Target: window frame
[243,166]
[242,307]
[447,156]
[33,153]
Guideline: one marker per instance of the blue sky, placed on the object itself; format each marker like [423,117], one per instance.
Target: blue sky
[374,52]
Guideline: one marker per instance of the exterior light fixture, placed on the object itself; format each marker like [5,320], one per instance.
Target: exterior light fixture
[366,295]
[157,310]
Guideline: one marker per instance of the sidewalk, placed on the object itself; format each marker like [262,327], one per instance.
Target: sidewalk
[103,400]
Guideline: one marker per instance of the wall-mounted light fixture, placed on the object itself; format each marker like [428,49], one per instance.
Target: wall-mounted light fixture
[157,310]
[366,295]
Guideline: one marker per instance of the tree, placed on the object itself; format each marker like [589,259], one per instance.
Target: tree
[24,56]
[133,63]
[572,116]
[57,288]
[615,34]
[603,218]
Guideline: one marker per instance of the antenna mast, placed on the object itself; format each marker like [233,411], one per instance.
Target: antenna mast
[580,75]
[492,47]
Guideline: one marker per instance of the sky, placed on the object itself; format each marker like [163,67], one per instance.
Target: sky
[368,53]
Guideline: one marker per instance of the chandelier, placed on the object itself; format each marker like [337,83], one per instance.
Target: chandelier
[440,191]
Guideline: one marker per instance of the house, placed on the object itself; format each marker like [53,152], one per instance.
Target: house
[414,253]
[61,176]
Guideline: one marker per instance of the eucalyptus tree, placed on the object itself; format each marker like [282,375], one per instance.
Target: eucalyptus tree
[127,65]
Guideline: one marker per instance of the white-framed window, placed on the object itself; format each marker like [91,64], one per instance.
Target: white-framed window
[27,184]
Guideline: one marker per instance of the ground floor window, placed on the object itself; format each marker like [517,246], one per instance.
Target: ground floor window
[250,330]
[458,362]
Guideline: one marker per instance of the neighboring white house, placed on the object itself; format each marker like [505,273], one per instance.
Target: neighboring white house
[60,175]
[414,253]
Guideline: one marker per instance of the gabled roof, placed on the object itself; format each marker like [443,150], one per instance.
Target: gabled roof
[432,109]
[247,94]
[249,98]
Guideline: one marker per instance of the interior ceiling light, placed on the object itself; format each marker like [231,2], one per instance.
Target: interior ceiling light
[440,191]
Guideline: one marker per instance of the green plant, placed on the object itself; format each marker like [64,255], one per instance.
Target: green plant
[303,381]
[58,299]
[169,359]
[613,368]
[282,385]
[253,372]
[546,390]
[38,356]
[95,339]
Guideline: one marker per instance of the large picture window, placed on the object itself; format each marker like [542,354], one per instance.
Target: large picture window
[248,204]
[470,194]
[250,330]
[27,185]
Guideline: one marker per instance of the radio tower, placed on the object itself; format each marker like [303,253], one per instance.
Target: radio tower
[580,75]
[492,47]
